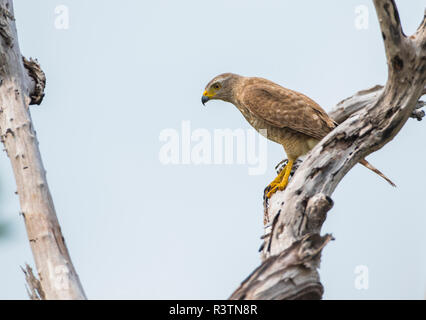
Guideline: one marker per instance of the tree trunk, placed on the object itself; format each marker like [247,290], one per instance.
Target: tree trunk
[21,84]
[368,120]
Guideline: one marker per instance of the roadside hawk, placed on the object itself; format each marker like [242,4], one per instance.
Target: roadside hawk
[291,119]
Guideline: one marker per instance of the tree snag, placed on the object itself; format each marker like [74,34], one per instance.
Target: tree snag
[21,84]
[368,120]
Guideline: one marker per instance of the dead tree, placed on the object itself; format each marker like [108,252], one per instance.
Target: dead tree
[368,120]
[21,84]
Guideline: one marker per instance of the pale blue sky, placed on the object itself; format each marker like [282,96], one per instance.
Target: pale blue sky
[137,229]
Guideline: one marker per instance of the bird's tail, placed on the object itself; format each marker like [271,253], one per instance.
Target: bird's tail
[366,164]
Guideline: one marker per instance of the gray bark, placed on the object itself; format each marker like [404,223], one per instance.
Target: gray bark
[21,84]
[368,120]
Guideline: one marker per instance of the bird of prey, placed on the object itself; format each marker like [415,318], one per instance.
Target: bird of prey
[291,119]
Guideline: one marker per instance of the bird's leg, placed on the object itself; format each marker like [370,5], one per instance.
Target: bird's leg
[277,180]
[283,181]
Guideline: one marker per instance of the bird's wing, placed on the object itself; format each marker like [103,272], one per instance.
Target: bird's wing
[281,107]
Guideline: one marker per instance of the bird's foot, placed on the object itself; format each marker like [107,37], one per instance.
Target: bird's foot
[279,186]
[272,187]
[280,182]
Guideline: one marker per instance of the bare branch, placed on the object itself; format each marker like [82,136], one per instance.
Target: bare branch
[362,99]
[393,37]
[282,272]
[368,121]
[420,36]
[358,101]
[19,87]
[5,31]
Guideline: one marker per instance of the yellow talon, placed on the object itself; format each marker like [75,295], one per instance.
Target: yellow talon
[277,180]
[280,182]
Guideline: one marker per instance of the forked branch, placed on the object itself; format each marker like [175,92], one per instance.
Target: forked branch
[368,121]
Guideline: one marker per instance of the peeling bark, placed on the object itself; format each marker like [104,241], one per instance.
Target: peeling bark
[22,83]
[368,120]
[34,289]
[37,79]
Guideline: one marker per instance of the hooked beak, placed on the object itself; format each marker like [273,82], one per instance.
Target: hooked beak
[204,99]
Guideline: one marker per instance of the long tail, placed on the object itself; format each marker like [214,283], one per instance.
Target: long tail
[366,164]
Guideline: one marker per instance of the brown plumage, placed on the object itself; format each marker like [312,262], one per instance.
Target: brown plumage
[291,119]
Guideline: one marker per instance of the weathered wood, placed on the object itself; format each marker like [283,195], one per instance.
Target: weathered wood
[368,121]
[19,87]
[361,99]
[34,289]
[290,272]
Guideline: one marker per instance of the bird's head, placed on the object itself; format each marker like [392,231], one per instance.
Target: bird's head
[220,87]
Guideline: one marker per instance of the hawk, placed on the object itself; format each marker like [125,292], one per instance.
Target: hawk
[291,119]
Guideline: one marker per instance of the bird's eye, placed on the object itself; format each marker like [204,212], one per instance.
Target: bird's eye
[216,86]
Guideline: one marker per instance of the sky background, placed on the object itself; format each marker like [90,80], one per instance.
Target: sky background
[138,229]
